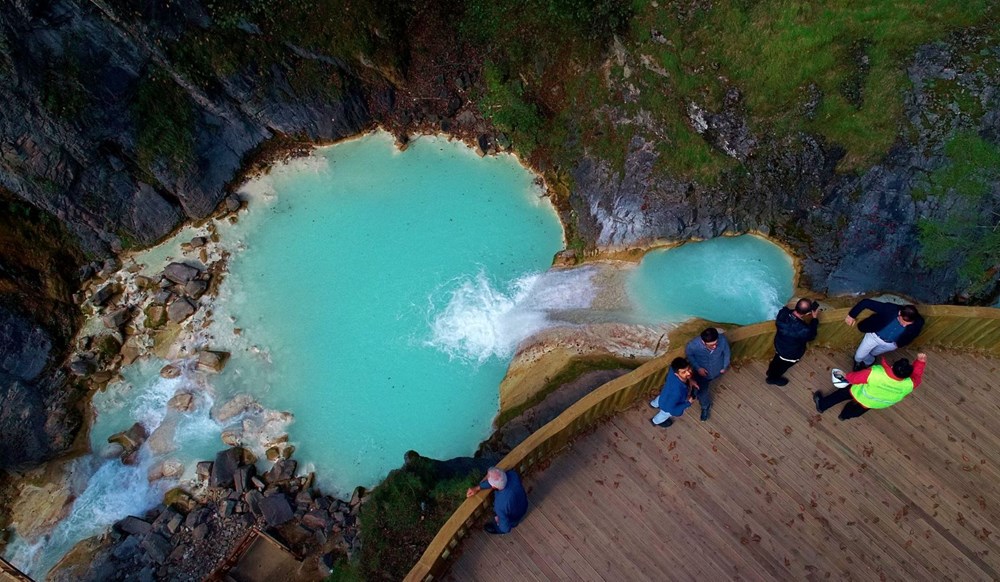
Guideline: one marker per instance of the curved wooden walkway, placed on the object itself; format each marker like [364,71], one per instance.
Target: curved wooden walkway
[770,490]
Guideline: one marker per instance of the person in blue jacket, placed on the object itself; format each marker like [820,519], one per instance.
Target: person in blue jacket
[709,356]
[676,395]
[510,502]
[891,326]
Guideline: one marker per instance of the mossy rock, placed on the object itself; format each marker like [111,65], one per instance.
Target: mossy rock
[156,317]
[179,499]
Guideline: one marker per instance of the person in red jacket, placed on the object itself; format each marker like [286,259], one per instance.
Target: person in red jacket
[880,386]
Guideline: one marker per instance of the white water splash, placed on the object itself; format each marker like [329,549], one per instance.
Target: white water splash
[480,320]
[113,492]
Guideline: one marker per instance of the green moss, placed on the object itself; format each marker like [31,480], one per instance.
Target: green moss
[164,120]
[402,516]
[574,369]
[966,234]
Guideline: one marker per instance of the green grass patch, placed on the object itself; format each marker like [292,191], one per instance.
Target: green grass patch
[402,516]
[772,50]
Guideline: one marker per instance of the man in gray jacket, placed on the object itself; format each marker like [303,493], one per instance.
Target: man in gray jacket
[709,356]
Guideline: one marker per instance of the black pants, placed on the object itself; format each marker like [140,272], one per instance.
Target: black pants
[778,367]
[851,410]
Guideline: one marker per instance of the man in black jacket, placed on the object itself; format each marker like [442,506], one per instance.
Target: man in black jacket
[795,328]
[891,326]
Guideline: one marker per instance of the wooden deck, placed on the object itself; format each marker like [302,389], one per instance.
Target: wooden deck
[770,490]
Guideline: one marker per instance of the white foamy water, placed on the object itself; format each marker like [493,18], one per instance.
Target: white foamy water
[479,321]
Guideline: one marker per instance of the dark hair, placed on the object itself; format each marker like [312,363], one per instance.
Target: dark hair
[680,364]
[805,305]
[709,335]
[909,313]
[902,368]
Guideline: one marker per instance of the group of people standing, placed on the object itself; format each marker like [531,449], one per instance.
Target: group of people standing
[869,385]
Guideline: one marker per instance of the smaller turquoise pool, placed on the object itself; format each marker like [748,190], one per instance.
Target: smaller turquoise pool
[741,280]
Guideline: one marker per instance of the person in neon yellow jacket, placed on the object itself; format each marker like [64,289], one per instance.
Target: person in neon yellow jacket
[880,386]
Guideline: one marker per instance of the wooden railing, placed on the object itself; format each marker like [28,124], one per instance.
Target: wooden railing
[968,328]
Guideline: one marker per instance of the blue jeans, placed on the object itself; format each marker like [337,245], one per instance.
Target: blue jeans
[703,394]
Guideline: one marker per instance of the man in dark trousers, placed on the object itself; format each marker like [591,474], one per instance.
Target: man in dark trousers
[880,386]
[709,356]
[891,326]
[510,502]
[795,328]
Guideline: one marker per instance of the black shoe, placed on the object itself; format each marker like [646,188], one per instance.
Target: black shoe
[705,413]
[491,528]
[780,381]
[861,366]
[663,424]
[816,397]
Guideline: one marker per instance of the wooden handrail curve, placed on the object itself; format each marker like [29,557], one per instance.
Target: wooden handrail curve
[946,326]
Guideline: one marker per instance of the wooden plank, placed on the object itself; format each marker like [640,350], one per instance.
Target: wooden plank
[882,495]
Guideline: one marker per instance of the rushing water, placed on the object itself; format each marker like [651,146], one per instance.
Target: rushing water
[743,279]
[373,301]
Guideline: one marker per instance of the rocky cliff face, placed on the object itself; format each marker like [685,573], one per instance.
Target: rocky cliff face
[75,154]
[123,120]
[855,232]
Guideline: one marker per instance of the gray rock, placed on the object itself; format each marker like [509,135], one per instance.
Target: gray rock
[200,532]
[196,518]
[134,526]
[157,547]
[117,318]
[126,549]
[275,510]
[224,468]
[174,525]
[253,501]
[180,309]
[198,242]
[162,297]
[180,273]
[81,366]
[195,289]
[232,203]
[243,478]
[170,371]
[104,294]
[283,470]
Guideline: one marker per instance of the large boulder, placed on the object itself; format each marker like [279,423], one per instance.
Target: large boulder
[275,509]
[225,466]
[130,440]
[212,361]
[180,273]
[180,309]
